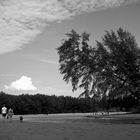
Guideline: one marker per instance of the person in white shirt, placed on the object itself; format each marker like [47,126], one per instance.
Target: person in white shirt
[4,111]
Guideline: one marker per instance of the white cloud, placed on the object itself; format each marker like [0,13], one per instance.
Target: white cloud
[22,84]
[22,20]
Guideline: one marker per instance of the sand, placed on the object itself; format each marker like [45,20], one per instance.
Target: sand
[72,127]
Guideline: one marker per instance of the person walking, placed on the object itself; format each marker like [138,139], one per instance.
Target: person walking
[4,111]
[10,114]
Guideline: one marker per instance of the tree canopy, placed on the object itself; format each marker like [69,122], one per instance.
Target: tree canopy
[111,67]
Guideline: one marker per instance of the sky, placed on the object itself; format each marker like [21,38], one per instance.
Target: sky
[31,30]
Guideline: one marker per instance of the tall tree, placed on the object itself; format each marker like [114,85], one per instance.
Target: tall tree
[111,67]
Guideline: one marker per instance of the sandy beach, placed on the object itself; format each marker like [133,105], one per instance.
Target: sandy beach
[69,127]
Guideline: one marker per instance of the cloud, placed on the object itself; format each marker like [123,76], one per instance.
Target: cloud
[58,91]
[22,84]
[22,20]
[52,90]
[49,61]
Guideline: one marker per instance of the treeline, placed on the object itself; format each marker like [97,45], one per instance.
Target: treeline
[45,104]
